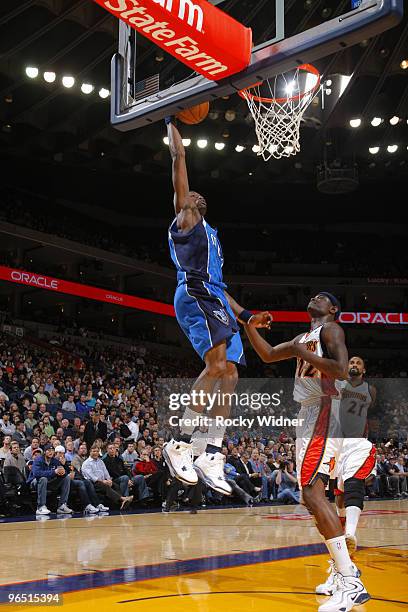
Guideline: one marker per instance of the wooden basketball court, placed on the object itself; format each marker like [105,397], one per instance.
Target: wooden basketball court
[234,558]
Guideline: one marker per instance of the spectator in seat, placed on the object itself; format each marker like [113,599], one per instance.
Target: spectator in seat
[28,453]
[5,449]
[95,429]
[155,479]
[48,429]
[19,435]
[80,457]
[67,429]
[84,488]
[82,407]
[69,404]
[242,467]
[6,427]
[258,475]
[117,470]
[286,480]
[130,455]
[30,422]
[133,427]
[47,474]
[401,466]
[15,458]
[41,397]
[95,470]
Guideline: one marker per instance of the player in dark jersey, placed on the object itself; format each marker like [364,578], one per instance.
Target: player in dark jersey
[207,315]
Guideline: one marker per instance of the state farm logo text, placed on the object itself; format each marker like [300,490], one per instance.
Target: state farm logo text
[34,279]
[137,16]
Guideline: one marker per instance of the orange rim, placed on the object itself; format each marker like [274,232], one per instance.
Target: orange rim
[247,94]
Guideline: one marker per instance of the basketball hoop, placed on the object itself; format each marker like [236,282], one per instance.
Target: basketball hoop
[278,117]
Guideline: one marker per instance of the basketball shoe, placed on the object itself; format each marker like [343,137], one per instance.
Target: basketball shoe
[350,592]
[328,587]
[210,468]
[179,458]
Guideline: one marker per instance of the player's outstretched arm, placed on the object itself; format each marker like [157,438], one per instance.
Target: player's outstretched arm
[180,176]
[266,351]
[334,366]
[261,319]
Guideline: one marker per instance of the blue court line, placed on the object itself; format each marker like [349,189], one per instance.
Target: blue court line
[79,582]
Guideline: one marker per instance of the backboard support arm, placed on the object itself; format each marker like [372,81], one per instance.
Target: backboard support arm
[273,57]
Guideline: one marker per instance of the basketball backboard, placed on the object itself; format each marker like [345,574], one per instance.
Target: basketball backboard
[317,31]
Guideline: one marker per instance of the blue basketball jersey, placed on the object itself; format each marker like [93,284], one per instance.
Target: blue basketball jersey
[197,254]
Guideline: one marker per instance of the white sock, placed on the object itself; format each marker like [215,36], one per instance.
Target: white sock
[188,414]
[352,518]
[341,512]
[216,433]
[338,551]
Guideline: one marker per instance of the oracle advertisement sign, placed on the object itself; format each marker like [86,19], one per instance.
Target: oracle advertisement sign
[195,32]
[49,283]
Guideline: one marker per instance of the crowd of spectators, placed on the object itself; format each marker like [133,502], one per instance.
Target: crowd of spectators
[80,429]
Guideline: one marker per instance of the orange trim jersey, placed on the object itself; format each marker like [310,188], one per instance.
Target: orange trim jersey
[310,383]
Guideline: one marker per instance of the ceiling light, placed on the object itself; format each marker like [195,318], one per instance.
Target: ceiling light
[394,120]
[219,146]
[376,121]
[256,148]
[31,72]
[49,77]
[374,150]
[202,143]
[186,142]
[355,123]
[404,64]
[68,81]
[239,148]
[230,115]
[166,140]
[392,148]
[87,88]
[104,93]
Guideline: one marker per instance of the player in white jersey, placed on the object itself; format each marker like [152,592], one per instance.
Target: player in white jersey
[357,457]
[321,359]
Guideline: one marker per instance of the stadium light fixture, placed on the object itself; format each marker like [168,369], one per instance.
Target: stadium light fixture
[68,81]
[31,72]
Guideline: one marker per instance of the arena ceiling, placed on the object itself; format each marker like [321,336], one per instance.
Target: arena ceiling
[46,123]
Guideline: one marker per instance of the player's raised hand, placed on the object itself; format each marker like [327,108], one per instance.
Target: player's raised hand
[261,320]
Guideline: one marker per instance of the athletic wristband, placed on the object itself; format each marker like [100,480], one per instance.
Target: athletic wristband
[245,316]
[170,119]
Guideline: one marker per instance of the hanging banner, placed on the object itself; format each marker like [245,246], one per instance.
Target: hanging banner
[195,32]
[49,283]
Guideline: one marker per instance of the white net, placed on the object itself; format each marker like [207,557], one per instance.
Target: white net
[277,106]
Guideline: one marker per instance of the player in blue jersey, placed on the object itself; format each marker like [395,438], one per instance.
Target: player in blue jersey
[208,317]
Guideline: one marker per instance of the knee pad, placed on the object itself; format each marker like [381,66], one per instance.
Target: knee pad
[354,490]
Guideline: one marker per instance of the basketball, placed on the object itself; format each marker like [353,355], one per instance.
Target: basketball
[195,114]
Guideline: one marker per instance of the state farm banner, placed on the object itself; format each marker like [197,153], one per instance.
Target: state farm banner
[195,32]
[49,283]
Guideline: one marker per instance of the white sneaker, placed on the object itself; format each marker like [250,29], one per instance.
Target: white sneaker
[63,509]
[351,542]
[350,592]
[179,458]
[43,510]
[328,587]
[90,509]
[210,468]
[102,508]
